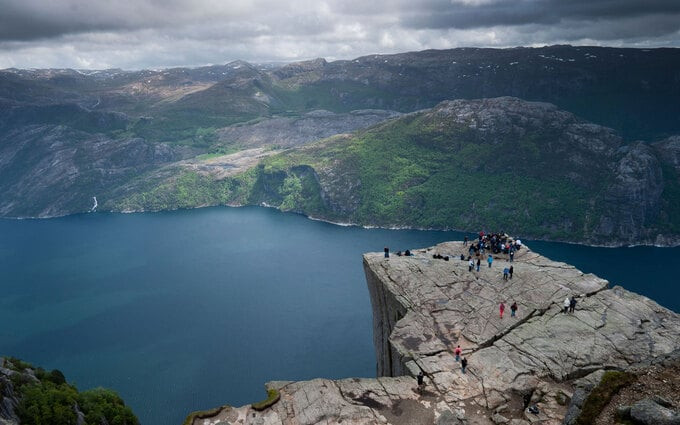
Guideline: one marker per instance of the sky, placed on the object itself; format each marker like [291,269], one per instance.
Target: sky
[136,34]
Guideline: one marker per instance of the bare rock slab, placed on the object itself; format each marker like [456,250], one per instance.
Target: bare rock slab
[423,307]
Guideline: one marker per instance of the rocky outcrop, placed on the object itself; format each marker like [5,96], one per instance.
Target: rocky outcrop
[424,307]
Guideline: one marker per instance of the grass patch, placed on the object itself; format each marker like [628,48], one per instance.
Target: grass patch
[608,387]
[203,414]
[272,397]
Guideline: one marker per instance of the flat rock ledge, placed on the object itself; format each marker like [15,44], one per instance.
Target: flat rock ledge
[424,307]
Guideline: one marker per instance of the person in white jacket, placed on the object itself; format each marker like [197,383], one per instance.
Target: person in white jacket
[566,305]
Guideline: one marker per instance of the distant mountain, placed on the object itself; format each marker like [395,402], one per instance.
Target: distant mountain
[635,91]
[131,137]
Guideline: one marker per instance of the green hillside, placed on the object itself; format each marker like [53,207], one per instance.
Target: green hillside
[526,168]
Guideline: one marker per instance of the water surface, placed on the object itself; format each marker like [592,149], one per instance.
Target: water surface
[188,310]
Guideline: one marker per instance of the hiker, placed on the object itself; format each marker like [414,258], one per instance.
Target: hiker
[502,308]
[387,252]
[567,303]
[511,269]
[463,364]
[512,254]
[478,263]
[421,379]
[471,264]
[462,257]
[506,273]
[407,253]
[457,352]
[572,304]
[513,309]
[465,241]
[490,260]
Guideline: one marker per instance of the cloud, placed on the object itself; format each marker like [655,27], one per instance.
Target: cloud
[135,34]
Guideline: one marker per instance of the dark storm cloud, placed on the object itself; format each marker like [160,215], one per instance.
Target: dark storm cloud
[440,14]
[136,34]
[25,20]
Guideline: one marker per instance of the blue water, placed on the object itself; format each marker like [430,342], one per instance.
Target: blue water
[188,310]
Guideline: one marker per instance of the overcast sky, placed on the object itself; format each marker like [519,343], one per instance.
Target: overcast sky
[133,34]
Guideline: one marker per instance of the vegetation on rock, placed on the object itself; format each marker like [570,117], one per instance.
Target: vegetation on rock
[273,396]
[608,387]
[45,398]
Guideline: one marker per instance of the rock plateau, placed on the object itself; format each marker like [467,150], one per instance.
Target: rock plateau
[424,307]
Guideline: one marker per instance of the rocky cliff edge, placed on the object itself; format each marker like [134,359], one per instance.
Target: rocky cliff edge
[424,307]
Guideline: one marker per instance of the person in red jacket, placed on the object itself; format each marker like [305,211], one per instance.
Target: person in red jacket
[502,308]
[457,352]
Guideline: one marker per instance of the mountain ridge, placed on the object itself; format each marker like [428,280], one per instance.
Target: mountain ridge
[200,114]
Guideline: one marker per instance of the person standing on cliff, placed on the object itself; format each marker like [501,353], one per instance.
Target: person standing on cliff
[463,364]
[457,352]
[490,260]
[506,273]
[502,309]
[566,304]
[478,263]
[387,252]
[465,241]
[511,270]
[471,264]
[513,309]
[572,304]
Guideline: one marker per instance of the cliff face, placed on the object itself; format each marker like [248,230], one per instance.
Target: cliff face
[424,307]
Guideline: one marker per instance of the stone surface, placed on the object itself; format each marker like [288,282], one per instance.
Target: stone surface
[648,412]
[423,307]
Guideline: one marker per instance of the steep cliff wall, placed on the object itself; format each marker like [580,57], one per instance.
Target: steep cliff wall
[387,311]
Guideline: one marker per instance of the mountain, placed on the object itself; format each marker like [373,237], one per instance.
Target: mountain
[157,139]
[635,91]
[525,167]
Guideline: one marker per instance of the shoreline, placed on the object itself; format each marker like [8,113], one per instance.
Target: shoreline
[674,244]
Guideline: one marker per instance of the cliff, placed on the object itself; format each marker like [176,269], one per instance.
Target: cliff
[423,307]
